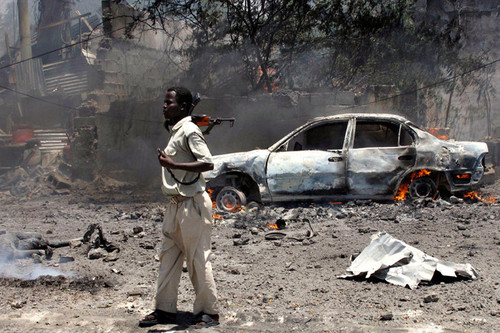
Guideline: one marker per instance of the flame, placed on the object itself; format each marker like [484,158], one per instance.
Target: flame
[217,217]
[273,226]
[474,195]
[271,72]
[439,133]
[210,192]
[462,176]
[402,191]
[228,204]
[418,174]
[405,186]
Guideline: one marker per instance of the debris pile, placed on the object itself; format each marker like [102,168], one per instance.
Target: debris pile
[19,245]
[98,245]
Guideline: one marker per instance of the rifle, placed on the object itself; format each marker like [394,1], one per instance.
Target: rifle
[204,120]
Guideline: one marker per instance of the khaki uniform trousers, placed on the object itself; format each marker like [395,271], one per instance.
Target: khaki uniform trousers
[186,230]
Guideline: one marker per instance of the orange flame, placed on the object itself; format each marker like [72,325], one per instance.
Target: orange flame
[210,192]
[217,217]
[462,176]
[228,204]
[474,195]
[439,133]
[402,191]
[405,186]
[273,226]
[271,72]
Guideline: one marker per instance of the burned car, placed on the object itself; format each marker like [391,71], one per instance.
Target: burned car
[344,157]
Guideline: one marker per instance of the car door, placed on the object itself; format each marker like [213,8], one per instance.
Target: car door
[380,153]
[310,165]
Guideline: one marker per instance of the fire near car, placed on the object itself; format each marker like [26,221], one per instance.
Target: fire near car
[349,156]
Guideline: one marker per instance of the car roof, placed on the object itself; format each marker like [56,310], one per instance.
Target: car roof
[346,116]
[360,115]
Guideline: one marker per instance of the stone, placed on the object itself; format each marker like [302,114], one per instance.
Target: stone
[113,256]
[240,241]
[137,229]
[431,298]
[386,316]
[75,243]
[147,246]
[97,253]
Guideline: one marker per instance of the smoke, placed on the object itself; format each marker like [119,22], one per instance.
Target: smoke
[20,269]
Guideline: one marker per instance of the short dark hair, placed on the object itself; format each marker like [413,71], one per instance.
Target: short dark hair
[182,95]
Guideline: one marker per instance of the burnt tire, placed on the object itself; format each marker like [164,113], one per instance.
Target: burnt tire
[229,199]
[423,187]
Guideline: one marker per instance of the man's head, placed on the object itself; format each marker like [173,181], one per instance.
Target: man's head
[176,105]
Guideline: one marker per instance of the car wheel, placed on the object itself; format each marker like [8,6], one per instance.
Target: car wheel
[422,187]
[230,199]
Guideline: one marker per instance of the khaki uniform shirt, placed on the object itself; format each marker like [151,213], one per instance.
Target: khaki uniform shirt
[183,133]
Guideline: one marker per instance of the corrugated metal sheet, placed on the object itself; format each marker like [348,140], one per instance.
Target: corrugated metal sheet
[30,77]
[68,76]
[51,140]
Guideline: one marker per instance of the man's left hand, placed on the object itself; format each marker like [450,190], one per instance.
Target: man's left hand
[166,161]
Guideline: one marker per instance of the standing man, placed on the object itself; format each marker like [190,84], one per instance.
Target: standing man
[188,217]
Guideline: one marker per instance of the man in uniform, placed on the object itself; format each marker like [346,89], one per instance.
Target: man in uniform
[188,217]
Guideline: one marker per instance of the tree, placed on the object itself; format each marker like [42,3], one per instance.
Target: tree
[243,36]
[307,44]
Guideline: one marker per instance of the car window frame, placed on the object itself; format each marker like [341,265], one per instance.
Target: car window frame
[400,124]
[278,147]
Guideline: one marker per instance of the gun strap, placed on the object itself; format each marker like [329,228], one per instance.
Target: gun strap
[179,181]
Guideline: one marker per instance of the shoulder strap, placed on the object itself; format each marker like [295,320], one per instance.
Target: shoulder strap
[175,178]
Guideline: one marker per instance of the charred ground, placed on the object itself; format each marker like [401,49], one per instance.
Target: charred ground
[287,284]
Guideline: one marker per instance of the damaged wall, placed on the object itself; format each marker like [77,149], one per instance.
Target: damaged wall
[130,70]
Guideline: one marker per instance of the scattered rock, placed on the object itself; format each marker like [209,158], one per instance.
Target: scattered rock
[97,253]
[240,241]
[454,200]
[134,292]
[147,245]
[17,304]
[112,256]
[75,243]
[431,298]
[386,316]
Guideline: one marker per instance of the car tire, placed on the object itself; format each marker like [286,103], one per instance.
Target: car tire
[229,199]
[423,187]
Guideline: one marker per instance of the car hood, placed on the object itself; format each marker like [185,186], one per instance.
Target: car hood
[252,163]
[450,154]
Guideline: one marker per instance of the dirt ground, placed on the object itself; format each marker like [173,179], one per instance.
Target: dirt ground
[277,285]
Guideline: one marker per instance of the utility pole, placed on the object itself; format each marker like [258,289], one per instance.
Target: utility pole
[66,14]
[24,29]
